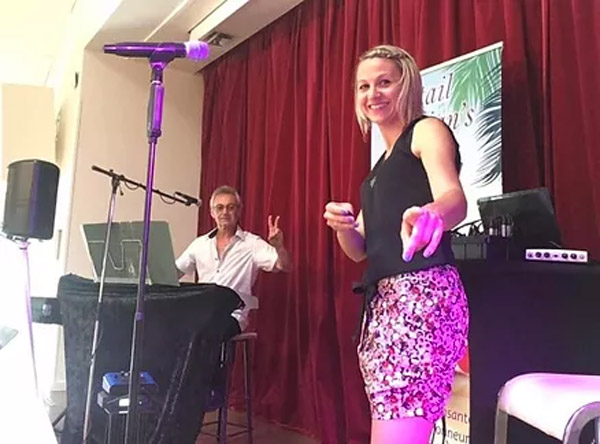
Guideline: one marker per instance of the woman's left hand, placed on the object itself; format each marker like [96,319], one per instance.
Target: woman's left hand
[422,228]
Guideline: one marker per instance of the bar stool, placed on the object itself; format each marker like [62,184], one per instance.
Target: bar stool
[227,359]
[559,405]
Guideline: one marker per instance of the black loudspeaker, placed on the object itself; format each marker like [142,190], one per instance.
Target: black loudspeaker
[30,199]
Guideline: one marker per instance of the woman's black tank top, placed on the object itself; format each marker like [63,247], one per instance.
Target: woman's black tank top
[395,184]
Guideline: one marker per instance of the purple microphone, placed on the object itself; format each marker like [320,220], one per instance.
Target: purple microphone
[193,50]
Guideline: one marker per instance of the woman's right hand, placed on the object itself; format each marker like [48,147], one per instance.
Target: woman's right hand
[340,216]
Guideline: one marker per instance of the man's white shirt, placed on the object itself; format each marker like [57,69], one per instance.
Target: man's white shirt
[237,268]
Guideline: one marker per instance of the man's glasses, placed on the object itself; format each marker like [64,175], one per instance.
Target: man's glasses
[219,208]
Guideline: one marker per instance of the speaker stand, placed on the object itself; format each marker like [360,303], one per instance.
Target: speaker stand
[23,244]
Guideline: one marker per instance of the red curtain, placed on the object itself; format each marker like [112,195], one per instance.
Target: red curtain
[279,125]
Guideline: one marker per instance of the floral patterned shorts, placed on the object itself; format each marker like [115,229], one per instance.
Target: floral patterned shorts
[416,335]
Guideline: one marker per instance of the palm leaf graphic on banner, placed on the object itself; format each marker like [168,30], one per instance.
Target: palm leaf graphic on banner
[478,82]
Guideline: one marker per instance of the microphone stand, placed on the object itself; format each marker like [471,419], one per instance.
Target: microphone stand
[160,56]
[115,184]
[154,116]
[175,197]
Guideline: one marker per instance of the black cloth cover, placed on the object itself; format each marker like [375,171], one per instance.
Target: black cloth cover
[183,329]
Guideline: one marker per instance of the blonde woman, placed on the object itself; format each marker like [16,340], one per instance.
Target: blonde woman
[414,328]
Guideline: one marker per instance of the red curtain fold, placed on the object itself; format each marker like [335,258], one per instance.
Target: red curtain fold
[279,125]
[574,92]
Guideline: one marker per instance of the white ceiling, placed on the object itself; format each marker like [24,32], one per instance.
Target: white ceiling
[32,32]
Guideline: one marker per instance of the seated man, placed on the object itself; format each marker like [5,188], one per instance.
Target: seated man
[232,257]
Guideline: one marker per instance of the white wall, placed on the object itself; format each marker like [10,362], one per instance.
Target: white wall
[85,20]
[27,122]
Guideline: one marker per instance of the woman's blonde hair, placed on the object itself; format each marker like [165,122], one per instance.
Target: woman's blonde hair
[410,100]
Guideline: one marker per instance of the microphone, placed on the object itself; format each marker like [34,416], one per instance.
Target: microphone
[193,50]
[189,199]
